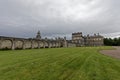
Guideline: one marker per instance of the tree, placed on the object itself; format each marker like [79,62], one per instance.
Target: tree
[112,42]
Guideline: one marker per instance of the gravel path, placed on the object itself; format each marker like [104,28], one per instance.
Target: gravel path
[113,53]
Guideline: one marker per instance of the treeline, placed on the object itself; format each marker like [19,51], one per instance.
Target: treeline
[112,42]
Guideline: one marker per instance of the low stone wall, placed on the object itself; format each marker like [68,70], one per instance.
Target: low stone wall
[21,43]
[5,44]
[71,45]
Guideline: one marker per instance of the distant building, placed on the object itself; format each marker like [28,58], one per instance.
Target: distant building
[80,40]
[38,36]
[95,40]
[77,40]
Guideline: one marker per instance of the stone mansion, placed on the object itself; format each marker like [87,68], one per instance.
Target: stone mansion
[80,40]
[77,40]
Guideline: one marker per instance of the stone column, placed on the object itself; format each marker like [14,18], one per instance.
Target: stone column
[13,44]
[56,44]
[32,46]
[59,44]
[49,45]
[23,44]
[44,45]
[38,44]
[65,42]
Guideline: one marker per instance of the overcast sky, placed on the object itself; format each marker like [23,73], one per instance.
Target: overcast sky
[23,18]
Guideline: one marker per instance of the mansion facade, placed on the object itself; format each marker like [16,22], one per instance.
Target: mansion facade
[77,40]
[80,40]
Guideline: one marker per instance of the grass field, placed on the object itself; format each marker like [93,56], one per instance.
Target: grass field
[85,63]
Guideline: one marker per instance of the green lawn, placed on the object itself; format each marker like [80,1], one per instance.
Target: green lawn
[84,63]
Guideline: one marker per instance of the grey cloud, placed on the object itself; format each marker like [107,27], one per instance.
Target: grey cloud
[24,18]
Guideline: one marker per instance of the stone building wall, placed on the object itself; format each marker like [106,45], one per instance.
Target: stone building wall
[21,43]
[77,40]
[35,44]
[27,44]
[6,44]
[41,44]
[71,45]
[80,40]
[95,40]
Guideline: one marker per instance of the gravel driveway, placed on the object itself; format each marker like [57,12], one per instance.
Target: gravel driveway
[113,53]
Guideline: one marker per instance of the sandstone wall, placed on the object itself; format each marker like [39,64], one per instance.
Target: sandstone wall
[28,44]
[21,43]
[50,45]
[35,44]
[6,44]
[54,45]
[41,44]
[71,45]
[57,44]
[46,45]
